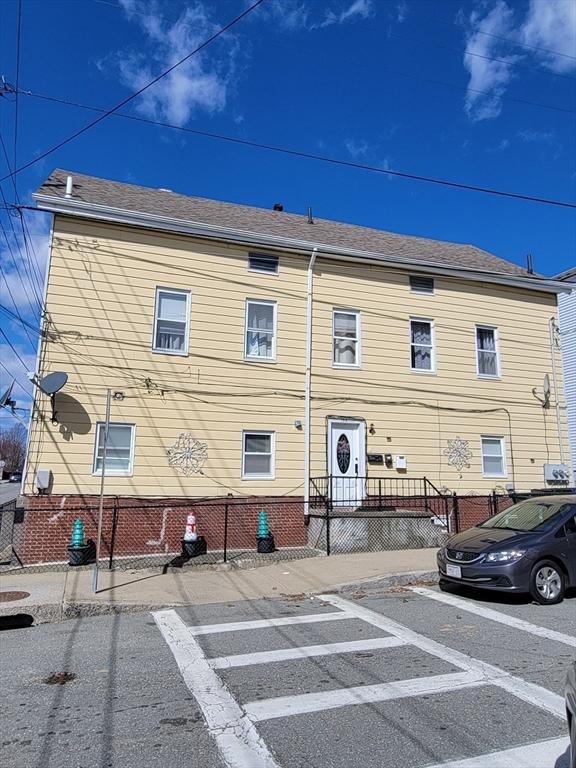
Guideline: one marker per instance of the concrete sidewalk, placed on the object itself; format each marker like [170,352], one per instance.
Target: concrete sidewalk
[59,595]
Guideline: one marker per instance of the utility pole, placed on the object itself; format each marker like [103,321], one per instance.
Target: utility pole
[102,479]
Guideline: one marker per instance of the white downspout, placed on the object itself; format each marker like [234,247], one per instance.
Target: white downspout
[551,329]
[308,381]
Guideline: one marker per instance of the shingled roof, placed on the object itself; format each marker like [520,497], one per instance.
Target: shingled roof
[159,202]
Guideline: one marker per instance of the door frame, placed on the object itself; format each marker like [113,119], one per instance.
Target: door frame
[362,439]
[363,443]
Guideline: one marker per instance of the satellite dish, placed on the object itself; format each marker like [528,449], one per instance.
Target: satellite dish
[5,395]
[546,387]
[53,382]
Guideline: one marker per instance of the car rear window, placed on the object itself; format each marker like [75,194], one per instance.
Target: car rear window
[528,515]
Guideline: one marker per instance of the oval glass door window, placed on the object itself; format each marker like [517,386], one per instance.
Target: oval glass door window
[343,453]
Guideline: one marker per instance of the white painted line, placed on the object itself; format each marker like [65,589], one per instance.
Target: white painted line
[304,652]
[235,626]
[502,618]
[284,706]
[529,692]
[236,737]
[543,754]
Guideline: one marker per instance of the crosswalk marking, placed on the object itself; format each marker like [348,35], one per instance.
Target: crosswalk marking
[502,618]
[237,626]
[233,726]
[542,754]
[285,706]
[237,739]
[303,652]
[522,689]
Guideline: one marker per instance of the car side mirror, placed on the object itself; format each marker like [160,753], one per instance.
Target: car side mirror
[570,527]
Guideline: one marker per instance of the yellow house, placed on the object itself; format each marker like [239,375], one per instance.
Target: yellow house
[248,350]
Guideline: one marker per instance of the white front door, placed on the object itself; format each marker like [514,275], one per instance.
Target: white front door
[347,461]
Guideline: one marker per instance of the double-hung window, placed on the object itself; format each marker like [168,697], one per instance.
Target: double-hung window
[258,455]
[171,321]
[119,449]
[260,335]
[493,456]
[422,357]
[346,338]
[487,361]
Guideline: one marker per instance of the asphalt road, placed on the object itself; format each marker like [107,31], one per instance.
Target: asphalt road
[420,682]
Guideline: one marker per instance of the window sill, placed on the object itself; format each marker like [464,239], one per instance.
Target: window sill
[170,352]
[489,377]
[422,371]
[267,360]
[344,367]
[263,272]
[113,474]
[258,477]
[494,477]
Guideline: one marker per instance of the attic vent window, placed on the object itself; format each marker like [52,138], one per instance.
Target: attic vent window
[419,284]
[259,263]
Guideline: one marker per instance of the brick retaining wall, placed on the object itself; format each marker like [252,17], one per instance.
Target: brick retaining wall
[155,526]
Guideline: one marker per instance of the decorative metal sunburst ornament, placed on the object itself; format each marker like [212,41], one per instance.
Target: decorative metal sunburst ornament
[187,455]
[458,453]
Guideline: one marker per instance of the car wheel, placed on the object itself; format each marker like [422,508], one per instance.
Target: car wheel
[547,583]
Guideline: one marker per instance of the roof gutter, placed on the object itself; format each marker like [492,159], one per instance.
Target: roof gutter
[71,207]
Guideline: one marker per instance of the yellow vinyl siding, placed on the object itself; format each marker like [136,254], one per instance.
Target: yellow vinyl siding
[100,306]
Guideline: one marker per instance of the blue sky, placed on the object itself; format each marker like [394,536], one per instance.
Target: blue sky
[437,89]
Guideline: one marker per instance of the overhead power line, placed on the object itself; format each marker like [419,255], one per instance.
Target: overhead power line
[135,94]
[319,158]
[13,348]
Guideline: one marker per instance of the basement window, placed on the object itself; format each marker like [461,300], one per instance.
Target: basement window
[119,449]
[420,284]
[258,262]
[493,456]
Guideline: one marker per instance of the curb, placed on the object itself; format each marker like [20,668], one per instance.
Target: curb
[51,613]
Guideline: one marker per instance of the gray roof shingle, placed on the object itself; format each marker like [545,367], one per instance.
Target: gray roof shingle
[134,198]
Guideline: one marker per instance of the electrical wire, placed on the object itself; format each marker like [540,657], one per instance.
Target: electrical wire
[135,94]
[17,316]
[321,158]
[13,348]
[16,104]
[11,375]
[35,267]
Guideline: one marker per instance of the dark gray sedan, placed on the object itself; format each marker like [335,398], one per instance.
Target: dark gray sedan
[530,547]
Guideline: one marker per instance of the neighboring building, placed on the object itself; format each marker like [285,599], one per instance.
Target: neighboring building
[567,319]
[423,354]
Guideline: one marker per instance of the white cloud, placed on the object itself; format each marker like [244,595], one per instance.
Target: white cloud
[358,9]
[487,75]
[548,29]
[401,11]
[23,267]
[356,148]
[199,84]
[551,25]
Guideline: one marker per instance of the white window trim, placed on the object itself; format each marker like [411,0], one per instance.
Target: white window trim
[425,371]
[503,452]
[180,291]
[264,271]
[268,433]
[358,315]
[482,327]
[259,358]
[114,472]
[422,293]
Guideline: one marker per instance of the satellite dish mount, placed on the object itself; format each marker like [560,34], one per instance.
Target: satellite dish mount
[50,385]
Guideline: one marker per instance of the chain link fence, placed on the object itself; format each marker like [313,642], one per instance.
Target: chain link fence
[148,533]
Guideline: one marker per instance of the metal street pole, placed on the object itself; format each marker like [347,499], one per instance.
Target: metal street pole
[102,478]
